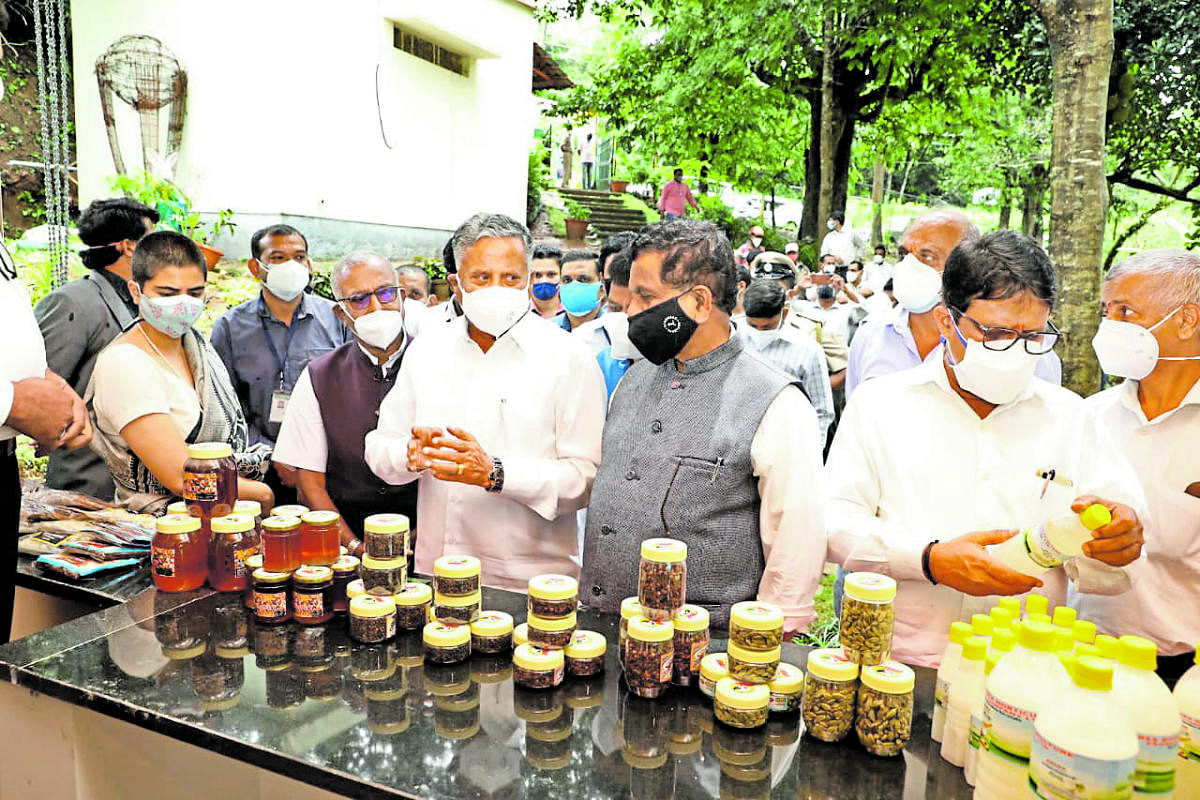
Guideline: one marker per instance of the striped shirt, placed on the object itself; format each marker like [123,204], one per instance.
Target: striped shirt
[801,358]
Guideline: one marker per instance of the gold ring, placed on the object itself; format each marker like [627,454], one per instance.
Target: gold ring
[461,468]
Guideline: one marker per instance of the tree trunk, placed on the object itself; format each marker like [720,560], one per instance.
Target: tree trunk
[1080,33]
[877,201]
[842,154]
[828,123]
[812,171]
[1033,201]
[1006,197]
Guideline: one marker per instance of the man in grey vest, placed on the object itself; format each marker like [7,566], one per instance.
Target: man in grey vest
[79,319]
[706,443]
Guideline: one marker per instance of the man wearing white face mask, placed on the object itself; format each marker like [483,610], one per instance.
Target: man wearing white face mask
[337,397]
[1150,335]
[904,337]
[266,342]
[497,416]
[933,464]
[608,336]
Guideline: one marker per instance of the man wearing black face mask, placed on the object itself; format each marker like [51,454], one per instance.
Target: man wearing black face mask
[722,449]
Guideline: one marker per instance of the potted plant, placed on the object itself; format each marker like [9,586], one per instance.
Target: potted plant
[175,210]
[192,228]
[577,219]
[436,271]
[618,185]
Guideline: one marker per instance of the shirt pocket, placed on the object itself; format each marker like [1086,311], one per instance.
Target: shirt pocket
[700,488]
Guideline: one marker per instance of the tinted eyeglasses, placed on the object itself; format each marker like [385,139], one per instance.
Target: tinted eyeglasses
[359,302]
[1037,343]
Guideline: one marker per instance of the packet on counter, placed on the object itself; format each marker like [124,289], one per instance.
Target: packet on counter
[79,567]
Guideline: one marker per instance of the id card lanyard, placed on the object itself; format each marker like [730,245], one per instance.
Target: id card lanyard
[279,397]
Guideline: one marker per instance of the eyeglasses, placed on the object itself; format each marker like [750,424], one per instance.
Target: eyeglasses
[385,294]
[1037,343]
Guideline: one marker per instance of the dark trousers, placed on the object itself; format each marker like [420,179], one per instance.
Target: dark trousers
[1171,668]
[589,181]
[10,520]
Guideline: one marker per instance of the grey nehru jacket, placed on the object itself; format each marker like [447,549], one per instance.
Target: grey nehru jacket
[677,463]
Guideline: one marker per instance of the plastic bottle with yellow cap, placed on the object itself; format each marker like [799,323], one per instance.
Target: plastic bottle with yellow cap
[1082,745]
[1036,604]
[1035,550]
[1002,643]
[1155,717]
[951,658]
[662,578]
[1024,682]
[967,692]
[1187,700]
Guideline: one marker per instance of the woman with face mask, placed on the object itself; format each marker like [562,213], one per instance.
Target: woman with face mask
[160,387]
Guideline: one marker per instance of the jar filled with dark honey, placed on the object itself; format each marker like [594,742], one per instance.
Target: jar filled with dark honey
[210,479]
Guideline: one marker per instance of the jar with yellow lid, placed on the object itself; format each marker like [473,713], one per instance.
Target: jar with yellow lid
[868,617]
[649,656]
[662,578]
[312,595]
[386,536]
[713,667]
[885,708]
[345,572]
[585,653]
[752,666]
[354,588]
[446,644]
[691,644]
[741,705]
[412,606]
[630,608]
[830,691]
[457,610]
[234,539]
[553,596]
[272,596]
[521,634]
[538,667]
[491,633]
[251,508]
[178,554]
[387,576]
[372,618]
[210,479]
[293,510]
[787,689]
[456,576]
[319,534]
[253,563]
[755,625]
[178,507]
[281,543]
[551,632]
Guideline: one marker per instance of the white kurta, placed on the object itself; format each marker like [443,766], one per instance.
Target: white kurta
[24,352]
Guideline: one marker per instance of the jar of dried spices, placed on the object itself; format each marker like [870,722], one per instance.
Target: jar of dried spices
[752,666]
[885,708]
[456,576]
[662,578]
[649,656]
[630,608]
[386,575]
[713,667]
[691,643]
[456,610]
[551,632]
[830,689]
[867,617]
[386,536]
[553,596]
[585,653]
[741,705]
[372,618]
[754,625]
[412,606]
[447,644]
[538,667]
[787,688]
[492,633]
[521,634]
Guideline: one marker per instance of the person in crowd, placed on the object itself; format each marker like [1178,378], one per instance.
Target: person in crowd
[743,282]
[1150,335]
[839,318]
[503,449]
[617,353]
[267,341]
[841,240]
[676,197]
[792,251]
[752,248]
[160,386]
[855,284]
[581,290]
[787,348]
[877,271]
[334,403]
[829,263]
[724,445]
[545,279]
[908,337]
[79,319]
[568,155]
[611,246]
[587,157]
[34,401]
[996,428]
[417,285]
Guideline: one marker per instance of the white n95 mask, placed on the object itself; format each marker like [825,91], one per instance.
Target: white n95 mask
[495,309]
[916,285]
[1127,350]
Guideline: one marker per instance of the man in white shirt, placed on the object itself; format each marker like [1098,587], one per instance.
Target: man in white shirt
[1151,337]
[841,240]
[933,464]
[497,416]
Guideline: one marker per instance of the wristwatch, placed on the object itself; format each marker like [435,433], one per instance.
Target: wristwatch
[496,477]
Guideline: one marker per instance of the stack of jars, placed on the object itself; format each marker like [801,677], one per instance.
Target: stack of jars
[385,557]
[554,643]
[748,682]
[647,645]
[454,604]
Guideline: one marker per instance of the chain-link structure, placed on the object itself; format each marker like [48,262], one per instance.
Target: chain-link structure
[50,32]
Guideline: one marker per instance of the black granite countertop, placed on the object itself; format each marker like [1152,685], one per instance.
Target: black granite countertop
[374,721]
[100,592]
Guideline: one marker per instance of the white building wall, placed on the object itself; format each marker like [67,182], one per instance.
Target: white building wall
[303,108]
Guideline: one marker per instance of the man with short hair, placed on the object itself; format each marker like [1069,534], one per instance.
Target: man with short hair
[1150,335]
[80,318]
[497,416]
[611,246]
[608,335]
[877,271]
[676,197]
[545,278]
[267,341]
[587,157]
[841,239]
[705,443]
[999,434]
[787,348]
[792,251]
[581,290]
[336,399]
[743,281]
[908,337]
[417,285]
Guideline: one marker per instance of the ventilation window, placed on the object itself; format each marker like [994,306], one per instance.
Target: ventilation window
[424,49]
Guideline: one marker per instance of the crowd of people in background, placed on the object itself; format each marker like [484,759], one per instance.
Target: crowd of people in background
[563,405]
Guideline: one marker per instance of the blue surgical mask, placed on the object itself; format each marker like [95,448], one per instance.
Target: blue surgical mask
[544,290]
[580,298]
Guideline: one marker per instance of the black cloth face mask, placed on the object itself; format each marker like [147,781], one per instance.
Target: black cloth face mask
[662,331]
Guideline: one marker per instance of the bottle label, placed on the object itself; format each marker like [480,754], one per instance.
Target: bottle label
[163,559]
[939,694]
[1040,551]
[1056,772]
[309,606]
[1189,745]
[1007,731]
[239,561]
[270,605]
[200,486]
[699,651]
[665,665]
[1156,765]
[975,732]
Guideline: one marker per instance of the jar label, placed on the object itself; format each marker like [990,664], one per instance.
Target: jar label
[200,486]
[1007,731]
[239,561]
[1189,745]
[975,732]
[708,685]
[699,651]
[665,665]
[1041,552]
[558,675]
[309,605]
[270,605]
[1056,772]
[1156,765]
[391,625]
[163,559]
[779,702]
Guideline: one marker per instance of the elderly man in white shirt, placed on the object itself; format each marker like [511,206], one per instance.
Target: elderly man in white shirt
[933,464]
[498,416]
[1151,337]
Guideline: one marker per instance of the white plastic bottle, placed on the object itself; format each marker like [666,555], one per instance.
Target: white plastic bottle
[951,657]
[1155,718]
[1023,682]
[1035,550]
[1002,643]
[982,625]
[1065,617]
[1187,699]
[966,692]
[1084,746]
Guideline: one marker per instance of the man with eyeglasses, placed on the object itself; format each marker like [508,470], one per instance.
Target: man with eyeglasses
[932,465]
[337,397]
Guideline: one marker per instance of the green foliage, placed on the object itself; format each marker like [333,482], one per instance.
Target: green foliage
[320,282]
[823,632]
[539,180]
[576,210]
[173,206]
